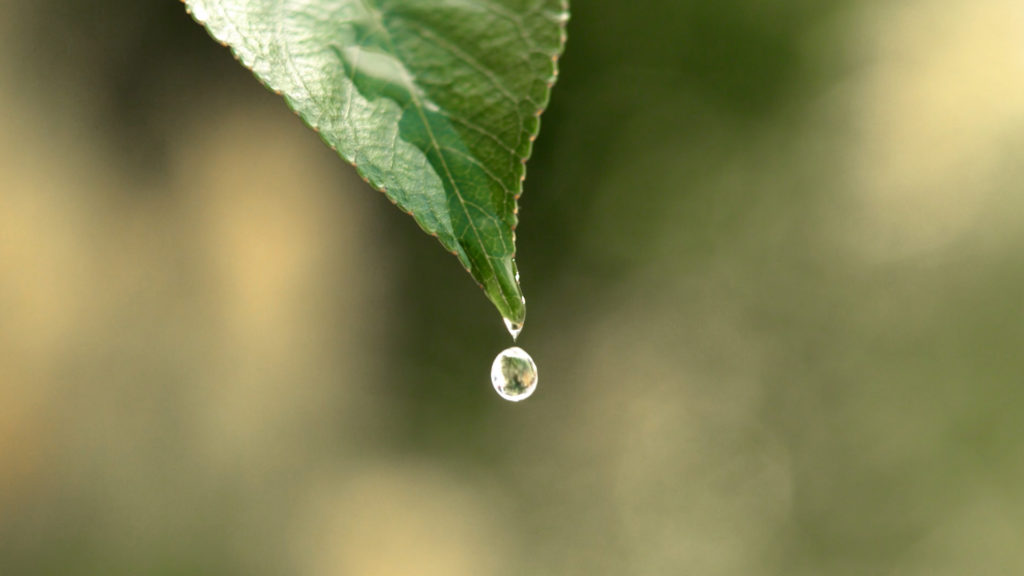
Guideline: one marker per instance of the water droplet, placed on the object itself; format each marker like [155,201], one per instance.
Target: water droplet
[514,328]
[514,374]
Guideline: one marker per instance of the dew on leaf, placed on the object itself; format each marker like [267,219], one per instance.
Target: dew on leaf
[514,374]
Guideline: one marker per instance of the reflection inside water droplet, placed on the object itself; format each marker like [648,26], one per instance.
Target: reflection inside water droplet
[514,374]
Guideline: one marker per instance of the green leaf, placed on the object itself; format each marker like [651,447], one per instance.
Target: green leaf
[436,103]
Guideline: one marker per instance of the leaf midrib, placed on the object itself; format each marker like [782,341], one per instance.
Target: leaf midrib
[414,97]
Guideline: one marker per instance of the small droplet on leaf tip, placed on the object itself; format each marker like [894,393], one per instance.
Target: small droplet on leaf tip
[514,328]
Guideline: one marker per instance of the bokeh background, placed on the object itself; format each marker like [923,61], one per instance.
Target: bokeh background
[774,260]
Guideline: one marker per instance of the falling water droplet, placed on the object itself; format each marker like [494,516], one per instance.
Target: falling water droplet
[514,374]
[514,328]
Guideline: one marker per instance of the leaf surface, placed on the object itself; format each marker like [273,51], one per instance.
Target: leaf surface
[436,103]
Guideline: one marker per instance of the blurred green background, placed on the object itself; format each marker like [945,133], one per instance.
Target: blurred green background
[774,259]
